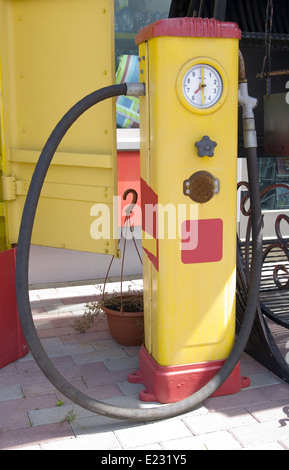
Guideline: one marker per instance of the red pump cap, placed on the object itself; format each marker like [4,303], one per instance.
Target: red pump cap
[189,27]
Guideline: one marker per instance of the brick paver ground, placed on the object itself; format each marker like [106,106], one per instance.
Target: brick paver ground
[34,415]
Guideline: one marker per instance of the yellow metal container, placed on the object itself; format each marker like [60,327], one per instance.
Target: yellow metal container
[189,218]
[52,54]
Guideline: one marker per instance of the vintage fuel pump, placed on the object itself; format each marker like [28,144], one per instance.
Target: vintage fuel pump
[189,173]
[189,95]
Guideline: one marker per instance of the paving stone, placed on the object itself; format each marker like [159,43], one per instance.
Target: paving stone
[36,447]
[22,367]
[63,321]
[24,404]
[48,304]
[46,293]
[43,388]
[284,442]
[106,377]
[78,300]
[263,379]
[10,393]
[218,421]
[221,440]
[128,388]
[197,411]
[156,446]
[259,434]
[267,446]
[276,392]
[250,367]
[51,332]
[101,441]
[27,366]
[51,343]
[75,291]
[107,344]
[44,324]
[94,369]
[14,420]
[122,363]
[132,350]
[101,355]
[23,379]
[186,443]
[151,433]
[94,335]
[34,435]
[240,400]
[98,424]
[53,315]
[8,370]
[131,401]
[88,289]
[272,410]
[38,310]
[62,350]
[57,414]
[33,296]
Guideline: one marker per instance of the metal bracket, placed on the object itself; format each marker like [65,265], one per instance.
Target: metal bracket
[12,188]
[135,89]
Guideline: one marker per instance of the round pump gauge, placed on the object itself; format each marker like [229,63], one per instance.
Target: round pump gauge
[202,86]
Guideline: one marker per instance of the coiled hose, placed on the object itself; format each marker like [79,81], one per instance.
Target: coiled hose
[22,286]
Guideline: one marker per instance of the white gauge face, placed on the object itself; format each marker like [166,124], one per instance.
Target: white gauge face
[202,86]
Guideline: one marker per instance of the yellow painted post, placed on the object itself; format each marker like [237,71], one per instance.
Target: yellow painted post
[189,181]
[4,244]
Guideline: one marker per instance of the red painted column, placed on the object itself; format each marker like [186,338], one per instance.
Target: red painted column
[12,342]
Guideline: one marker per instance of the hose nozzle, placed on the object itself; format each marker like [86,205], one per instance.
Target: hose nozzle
[248,103]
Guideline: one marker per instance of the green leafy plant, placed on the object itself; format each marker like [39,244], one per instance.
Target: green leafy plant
[132,301]
[92,312]
[70,417]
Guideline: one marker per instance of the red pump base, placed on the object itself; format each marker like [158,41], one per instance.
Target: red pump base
[169,384]
[12,343]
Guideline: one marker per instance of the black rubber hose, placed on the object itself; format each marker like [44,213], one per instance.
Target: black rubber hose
[22,286]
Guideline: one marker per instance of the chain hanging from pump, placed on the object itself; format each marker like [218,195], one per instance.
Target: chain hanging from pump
[126,226]
[267,58]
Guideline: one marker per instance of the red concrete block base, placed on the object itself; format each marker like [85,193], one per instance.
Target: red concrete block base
[169,384]
[12,342]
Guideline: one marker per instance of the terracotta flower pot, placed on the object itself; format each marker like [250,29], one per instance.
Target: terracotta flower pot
[127,328]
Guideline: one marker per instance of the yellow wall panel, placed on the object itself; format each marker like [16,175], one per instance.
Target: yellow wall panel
[53,53]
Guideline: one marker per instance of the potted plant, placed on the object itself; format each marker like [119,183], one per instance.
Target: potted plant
[124,313]
[125,317]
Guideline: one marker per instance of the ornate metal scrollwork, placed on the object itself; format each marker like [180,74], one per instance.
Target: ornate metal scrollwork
[281,243]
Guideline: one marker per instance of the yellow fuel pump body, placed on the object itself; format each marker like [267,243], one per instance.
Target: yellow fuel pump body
[188,181]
